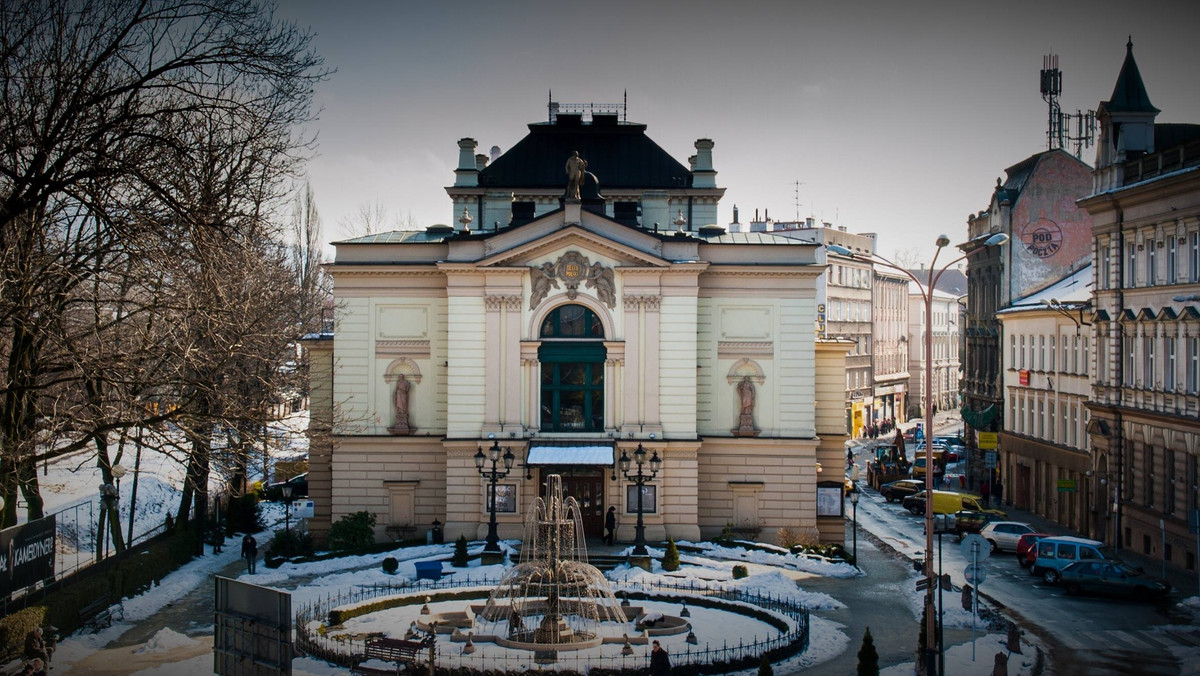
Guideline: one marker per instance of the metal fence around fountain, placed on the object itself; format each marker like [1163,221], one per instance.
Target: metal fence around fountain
[709,659]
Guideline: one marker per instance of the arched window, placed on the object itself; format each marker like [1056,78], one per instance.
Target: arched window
[572,356]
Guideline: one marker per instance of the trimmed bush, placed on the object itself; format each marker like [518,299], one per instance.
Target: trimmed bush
[460,552]
[868,657]
[740,571]
[391,565]
[352,531]
[14,627]
[670,559]
[764,667]
[243,515]
[285,543]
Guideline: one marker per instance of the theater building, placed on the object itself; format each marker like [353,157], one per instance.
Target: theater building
[569,336]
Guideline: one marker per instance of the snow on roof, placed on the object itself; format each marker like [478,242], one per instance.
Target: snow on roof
[1074,290]
[915,289]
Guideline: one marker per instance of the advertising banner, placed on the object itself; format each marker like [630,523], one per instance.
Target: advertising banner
[26,554]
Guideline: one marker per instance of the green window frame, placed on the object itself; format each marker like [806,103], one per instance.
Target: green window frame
[572,374]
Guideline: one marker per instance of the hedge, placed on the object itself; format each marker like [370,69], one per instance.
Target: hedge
[16,626]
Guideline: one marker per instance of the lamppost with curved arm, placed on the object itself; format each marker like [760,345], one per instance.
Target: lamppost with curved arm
[640,478]
[926,289]
[492,547]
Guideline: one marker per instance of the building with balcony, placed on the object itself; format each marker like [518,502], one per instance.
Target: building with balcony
[943,359]
[892,346]
[1145,399]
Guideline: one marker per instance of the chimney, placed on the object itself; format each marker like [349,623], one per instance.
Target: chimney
[467,174]
[703,175]
[735,213]
[481,161]
[495,152]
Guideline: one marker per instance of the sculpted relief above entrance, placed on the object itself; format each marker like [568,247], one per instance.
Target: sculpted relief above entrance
[571,269]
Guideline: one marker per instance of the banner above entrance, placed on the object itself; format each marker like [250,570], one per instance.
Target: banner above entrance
[578,453]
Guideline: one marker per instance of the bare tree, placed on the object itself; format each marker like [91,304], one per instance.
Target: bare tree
[133,137]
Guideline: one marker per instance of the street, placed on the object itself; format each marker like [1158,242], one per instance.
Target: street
[1085,634]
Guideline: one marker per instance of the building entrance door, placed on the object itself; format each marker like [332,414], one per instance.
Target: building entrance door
[587,487]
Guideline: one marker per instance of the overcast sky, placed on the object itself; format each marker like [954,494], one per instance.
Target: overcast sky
[895,117]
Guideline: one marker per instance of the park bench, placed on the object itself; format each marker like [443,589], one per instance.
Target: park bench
[100,614]
[395,650]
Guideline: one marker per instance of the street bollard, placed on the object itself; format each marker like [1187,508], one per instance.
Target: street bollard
[966,597]
[1014,638]
[1000,666]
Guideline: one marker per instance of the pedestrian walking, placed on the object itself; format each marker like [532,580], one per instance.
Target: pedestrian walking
[660,661]
[985,491]
[610,526]
[249,552]
[998,491]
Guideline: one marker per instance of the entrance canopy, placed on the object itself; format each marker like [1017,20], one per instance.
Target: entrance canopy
[570,453]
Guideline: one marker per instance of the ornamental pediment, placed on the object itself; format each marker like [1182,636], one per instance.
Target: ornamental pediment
[525,245]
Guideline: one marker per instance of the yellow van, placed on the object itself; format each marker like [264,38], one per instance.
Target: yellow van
[947,502]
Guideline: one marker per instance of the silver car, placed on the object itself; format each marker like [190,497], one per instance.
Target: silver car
[1003,535]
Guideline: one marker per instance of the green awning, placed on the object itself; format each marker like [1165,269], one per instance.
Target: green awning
[980,420]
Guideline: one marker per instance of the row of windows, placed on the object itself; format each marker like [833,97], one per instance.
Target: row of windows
[1169,259]
[849,311]
[1158,479]
[1049,353]
[855,278]
[1166,363]
[1057,418]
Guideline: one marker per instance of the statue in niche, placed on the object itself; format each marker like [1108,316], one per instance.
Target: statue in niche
[576,168]
[745,390]
[400,404]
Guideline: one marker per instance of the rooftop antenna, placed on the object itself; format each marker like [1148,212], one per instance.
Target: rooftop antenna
[1058,130]
[625,107]
[797,200]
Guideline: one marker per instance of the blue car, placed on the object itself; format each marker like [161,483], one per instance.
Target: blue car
[1112,577]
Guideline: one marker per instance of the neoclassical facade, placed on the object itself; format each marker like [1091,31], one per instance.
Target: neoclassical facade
[569,339]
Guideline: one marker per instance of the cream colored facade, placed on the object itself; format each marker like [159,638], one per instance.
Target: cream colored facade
[685,319]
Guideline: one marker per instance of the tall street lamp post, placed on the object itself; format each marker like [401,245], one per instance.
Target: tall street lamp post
[640,478]
[492,548]
[926,288]
[854,502]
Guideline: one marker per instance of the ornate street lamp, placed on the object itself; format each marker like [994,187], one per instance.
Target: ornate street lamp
[493,475]
[926,288]
[286,490]
[640,478]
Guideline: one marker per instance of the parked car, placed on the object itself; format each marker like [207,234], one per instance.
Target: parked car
[299,484]
[1112,577]
[953,453]
[1004,535]
[1056,553]
[948,502]
[1027,548]
[898,490]
[950,439]
[970,521]
[918,466]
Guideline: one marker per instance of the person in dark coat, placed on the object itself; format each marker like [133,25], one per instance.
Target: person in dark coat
[249,552]
[660,662]
[610,526]
[35,646]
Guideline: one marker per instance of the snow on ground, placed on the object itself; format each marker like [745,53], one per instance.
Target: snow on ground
[781,558]
[959,662]
[164,641]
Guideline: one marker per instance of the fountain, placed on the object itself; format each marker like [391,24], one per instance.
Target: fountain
[552,599]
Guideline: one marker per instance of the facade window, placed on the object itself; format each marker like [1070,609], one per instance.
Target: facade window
[1193,480]
[1148,475]
[1041,419]
[1131,266]
[572,356]
[1127,369]
[1193,365]
[1074,440]
[1172,271]
[1041,353]
[1168,481]
[1022,351]
[1105,265]
[1169,367]
[1194,258]
[1148,377]
[1151,267]
[1083,367]
[1012,351]
[1052,425]
[1053,351]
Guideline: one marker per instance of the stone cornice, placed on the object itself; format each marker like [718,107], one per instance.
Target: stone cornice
[806,271]
[650,303]
[494,303]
